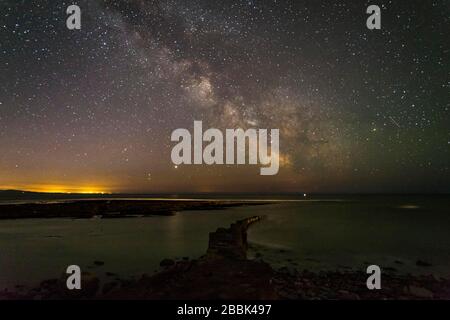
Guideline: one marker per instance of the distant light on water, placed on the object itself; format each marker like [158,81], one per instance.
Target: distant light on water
[408,206]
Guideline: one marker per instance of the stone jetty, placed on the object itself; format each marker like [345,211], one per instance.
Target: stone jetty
[231,243]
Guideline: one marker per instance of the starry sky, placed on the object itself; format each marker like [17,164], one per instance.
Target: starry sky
[92,110]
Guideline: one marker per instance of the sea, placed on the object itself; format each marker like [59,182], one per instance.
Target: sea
[400,233]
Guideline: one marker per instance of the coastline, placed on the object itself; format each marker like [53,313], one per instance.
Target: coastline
[224,272]
[88,209]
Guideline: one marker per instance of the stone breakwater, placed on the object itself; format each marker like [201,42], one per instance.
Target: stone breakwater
[231,243]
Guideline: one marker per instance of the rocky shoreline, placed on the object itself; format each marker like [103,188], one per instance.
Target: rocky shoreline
[226,273]
[108,209]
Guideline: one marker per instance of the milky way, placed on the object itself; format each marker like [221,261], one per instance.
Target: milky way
[92,110]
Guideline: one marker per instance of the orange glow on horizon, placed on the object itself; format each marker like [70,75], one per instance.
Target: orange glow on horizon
[54,188]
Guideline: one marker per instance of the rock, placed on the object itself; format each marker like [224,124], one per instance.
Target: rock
[224,296]
[346,295]
[166,263]
[127,283]
[89,284]
[144,277]
[419,292]
[107,287]
[422,263]
[288,295]
[230,243]
[250,291]
[49,284]
[284,270]
[390,269]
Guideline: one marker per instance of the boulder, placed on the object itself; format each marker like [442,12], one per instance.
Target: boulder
[422,263]
[166,263]
[419,292]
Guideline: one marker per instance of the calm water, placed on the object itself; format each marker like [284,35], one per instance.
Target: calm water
[388,231]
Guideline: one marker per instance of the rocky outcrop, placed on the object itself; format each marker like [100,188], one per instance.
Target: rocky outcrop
[230,243]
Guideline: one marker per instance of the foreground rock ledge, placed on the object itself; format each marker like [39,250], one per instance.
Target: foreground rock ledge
[226,273]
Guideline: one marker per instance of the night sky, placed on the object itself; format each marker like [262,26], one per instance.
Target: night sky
[92,110]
